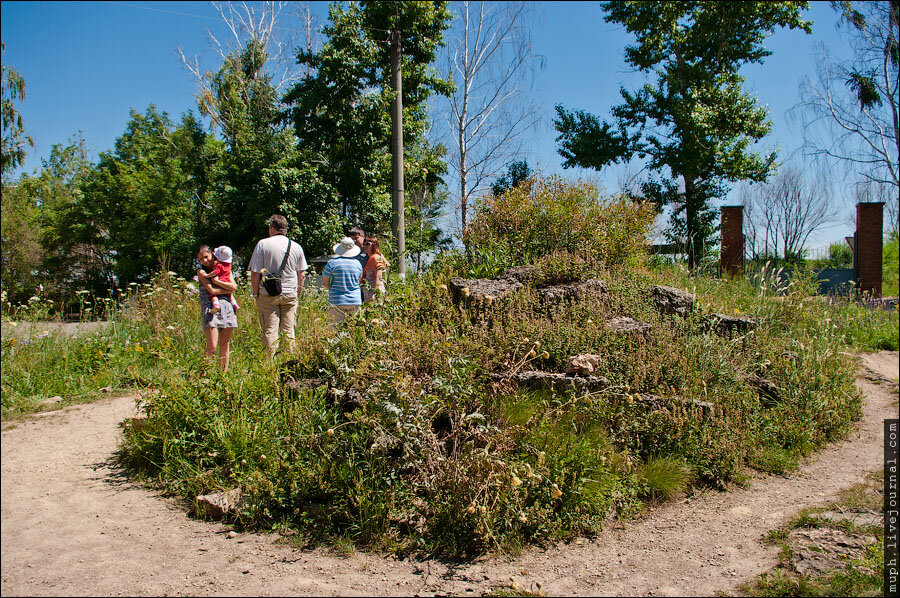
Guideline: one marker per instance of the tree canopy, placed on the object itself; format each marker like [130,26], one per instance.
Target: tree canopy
[692,121]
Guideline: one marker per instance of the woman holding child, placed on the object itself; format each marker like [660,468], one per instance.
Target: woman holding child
[217,304]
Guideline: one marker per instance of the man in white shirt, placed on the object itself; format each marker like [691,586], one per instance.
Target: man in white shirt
[277,314]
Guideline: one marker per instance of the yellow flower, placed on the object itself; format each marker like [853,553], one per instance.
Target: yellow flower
[522,517]
[465,291]
[555,492]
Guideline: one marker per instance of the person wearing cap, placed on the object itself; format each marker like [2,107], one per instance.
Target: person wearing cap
[277,314]
[221,273]
[341,277]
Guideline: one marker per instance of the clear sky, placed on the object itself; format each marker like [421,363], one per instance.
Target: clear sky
[86,64]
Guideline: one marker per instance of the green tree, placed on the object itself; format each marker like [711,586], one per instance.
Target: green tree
[14,140]
[20,250]
[692,121]
[340,110]
[70,261]
[247,107]
[140,201]
[516,173]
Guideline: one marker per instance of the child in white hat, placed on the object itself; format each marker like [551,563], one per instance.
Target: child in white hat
[221,271]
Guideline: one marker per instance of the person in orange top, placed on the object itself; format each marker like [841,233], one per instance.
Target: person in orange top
[375,270]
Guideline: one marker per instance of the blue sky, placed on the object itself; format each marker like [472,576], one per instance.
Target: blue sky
[86,64]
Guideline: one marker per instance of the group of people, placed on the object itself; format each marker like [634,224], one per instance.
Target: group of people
[354,276]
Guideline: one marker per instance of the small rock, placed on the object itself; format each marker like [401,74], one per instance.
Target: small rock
[672,301]
[626,325]
[767,390]
[49,402]
[725,324]
[218,504]
[584,364]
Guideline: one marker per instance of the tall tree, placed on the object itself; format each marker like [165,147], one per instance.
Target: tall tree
[138,203]
[276,27]
[340,110]
[491,61]
[247,108]
[14,141]
[692,121]
[851,111]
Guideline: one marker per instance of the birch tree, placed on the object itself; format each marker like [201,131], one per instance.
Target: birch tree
[851,110]
[782,214]
[277,28]
[490,60]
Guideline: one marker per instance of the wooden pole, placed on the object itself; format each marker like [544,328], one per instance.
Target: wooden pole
[397,222]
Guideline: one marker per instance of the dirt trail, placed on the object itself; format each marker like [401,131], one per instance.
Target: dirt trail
[71,525]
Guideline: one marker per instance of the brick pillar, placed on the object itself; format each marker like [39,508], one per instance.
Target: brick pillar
[868,247]
[732,233]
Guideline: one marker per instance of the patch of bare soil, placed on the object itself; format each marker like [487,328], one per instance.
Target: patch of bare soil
[72,525]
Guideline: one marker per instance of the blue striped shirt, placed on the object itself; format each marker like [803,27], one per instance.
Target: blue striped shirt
[345,273]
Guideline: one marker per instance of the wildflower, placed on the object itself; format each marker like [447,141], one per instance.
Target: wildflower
[330,432]
[243,461]
[262,457]
[522,517]
[555,492]
[170,327]
[516,482]
[471,509]
[465,291]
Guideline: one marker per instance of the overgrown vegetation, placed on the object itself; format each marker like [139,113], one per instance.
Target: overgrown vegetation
[404,432]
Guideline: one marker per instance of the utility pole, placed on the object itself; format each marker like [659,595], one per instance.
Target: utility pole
[397,222]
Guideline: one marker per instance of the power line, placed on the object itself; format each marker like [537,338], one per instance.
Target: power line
[173,12]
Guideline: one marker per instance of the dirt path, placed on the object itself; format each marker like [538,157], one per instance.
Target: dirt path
[72,526]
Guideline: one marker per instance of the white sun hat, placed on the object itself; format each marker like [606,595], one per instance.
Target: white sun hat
[223,254]
[346,248]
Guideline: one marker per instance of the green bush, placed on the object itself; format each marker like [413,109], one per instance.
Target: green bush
[544,215]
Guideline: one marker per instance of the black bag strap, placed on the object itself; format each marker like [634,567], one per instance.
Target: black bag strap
[284,261]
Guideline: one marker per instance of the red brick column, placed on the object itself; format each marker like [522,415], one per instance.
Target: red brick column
[868,247]
[732,232]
